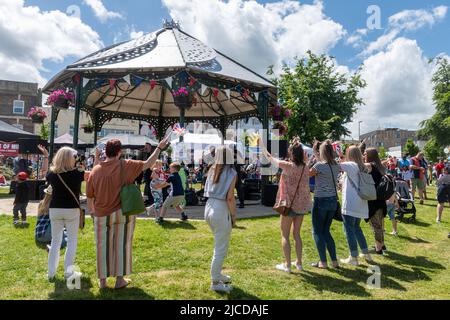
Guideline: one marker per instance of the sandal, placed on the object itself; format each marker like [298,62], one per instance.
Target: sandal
[127,282]
[317,265]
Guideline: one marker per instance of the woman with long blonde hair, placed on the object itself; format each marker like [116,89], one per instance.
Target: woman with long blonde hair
[353,207]
[64,211]
[219,210]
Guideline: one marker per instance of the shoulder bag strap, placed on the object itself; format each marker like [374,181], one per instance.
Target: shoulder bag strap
[122,179]
[332,176]
[70,190]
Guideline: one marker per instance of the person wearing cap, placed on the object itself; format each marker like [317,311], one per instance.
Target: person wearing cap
[21,199]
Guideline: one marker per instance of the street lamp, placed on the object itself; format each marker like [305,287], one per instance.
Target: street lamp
[359,131]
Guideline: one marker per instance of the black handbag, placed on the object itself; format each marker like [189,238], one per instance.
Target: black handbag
[338,214]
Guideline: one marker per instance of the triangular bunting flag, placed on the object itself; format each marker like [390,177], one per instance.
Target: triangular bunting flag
[228,93]
[152,84]
[137,81]
[257,96]
[112,83]
[85,81]
[216,92]
[127,78]
[203,89]
[169,81]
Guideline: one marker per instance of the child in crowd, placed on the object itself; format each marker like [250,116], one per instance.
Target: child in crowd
[155,187]
[21,199]
[176,196]
[443,193]
[392,204]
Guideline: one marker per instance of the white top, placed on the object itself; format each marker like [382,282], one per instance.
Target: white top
[352,204]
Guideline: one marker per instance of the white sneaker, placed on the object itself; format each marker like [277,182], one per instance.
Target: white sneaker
[299,267]
[394,233]
[367,257]
[221,287]
[283,267]
[438,221]
[149,210]
[350,260]
[224,278]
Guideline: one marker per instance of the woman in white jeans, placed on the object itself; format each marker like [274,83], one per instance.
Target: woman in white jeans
[221,206]
[64,208]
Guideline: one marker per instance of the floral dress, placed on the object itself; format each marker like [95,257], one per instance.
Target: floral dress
[299,202]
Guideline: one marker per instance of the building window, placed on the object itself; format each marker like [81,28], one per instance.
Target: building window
[18,107]
[71,130]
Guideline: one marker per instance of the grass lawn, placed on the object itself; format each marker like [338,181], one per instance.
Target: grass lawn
[172,262]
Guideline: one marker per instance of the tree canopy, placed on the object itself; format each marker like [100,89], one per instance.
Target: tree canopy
[437,129]
[321,100]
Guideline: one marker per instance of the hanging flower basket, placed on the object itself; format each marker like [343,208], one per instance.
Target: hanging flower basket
[37,115]
[280,113]
[182,98]
[61,99]
[88,128]
[281,127]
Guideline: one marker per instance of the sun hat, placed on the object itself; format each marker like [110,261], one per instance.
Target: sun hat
[22,175]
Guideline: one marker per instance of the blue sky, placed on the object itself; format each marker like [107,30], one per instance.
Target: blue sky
[256,33]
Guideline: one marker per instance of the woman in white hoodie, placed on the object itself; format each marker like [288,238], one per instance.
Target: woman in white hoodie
[353,207]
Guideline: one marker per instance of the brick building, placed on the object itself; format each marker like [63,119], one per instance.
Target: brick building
[16,99]
[389,137]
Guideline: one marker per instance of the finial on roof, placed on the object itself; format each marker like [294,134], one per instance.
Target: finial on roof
[171,24]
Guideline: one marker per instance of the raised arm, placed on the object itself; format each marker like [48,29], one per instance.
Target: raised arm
[44,151]
[150,162]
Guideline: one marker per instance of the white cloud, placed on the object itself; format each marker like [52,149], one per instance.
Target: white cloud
[416,19]
[258,35]
[29,36]
[136,34]
[406,20]
[101,12]
[399,89]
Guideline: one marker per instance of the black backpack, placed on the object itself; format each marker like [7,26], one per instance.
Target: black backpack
[386,188]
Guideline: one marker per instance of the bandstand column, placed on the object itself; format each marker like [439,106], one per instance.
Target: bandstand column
[52,133]
[76,123]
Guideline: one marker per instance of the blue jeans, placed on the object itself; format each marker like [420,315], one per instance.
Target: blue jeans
[322,217]
[354,235]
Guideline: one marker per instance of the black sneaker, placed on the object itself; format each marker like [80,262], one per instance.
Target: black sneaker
[184,217]
[384,248]
[16,223]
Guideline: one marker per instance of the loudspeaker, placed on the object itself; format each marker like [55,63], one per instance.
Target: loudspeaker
[269,195]
[30,146]
[282,148]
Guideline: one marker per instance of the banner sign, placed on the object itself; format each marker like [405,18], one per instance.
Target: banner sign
[9,149]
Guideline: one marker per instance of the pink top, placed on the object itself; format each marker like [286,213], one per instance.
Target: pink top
[289,181]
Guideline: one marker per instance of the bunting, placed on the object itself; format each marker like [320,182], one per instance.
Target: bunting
[169,81]
[85,81]
[127,79]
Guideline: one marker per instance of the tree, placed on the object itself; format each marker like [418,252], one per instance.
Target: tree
[437,129]
[44,132]
[320,99]
[382,153]
[410,149]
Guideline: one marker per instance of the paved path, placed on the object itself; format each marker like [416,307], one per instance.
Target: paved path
[252,210]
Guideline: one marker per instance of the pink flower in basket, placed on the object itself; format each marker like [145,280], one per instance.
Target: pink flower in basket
[36,112]
[55,95]
[181,92]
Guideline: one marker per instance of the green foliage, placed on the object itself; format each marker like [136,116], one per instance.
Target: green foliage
[410,149]
[382,153]
[433,151]
[7,172]
[44,131]
[321,100]
[437,128]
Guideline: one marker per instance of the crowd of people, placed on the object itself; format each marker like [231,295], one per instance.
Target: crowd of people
[105,175]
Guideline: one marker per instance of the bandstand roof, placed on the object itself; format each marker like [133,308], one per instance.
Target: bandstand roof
[157,56]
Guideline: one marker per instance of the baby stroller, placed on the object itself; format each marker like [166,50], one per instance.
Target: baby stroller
[405,200]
